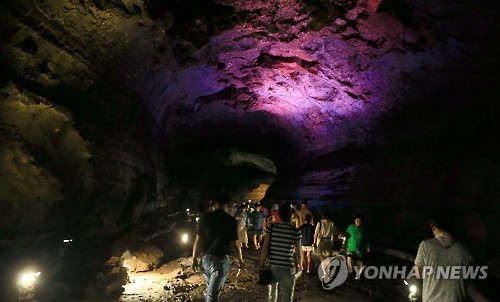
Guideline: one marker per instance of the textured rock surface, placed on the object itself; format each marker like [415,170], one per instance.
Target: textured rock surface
[74,144]
[142,258]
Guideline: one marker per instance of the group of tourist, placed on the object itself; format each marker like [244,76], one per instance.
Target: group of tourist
[279,233]
[291,234]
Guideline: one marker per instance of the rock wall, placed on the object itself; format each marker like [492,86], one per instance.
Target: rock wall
[78,148]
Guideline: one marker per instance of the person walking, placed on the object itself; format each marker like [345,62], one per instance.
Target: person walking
[442,251]
[258,225]
[301,214]
[242,219]
[307,231]
[282,250]
[324,236]
[357,245]
[217,232]
[273,214]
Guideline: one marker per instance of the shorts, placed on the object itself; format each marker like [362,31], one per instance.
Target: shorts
[325,247]
[307,248]
[257,232]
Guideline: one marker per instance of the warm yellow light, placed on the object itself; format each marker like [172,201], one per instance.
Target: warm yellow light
[184,238]
[27,279]
[125,265]
[413,289]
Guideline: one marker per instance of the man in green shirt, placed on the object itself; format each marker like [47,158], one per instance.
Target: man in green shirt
[357,245]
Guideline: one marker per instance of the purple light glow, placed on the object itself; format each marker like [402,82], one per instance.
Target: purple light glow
[326,88]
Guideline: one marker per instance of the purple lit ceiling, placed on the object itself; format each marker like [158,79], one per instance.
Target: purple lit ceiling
[318,74]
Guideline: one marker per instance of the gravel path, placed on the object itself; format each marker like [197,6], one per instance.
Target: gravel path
[175,281]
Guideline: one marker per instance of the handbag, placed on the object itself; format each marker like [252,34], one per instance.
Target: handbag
[265,277]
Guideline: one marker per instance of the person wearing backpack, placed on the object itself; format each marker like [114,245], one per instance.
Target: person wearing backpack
[324,236]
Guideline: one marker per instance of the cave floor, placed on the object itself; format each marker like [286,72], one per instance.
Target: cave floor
[175,281]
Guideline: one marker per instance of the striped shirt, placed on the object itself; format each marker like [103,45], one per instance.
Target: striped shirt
[283,239]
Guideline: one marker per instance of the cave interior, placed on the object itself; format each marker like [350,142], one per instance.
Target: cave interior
[117,115]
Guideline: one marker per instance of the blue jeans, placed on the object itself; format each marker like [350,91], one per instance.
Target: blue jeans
[215,269]
[283,277]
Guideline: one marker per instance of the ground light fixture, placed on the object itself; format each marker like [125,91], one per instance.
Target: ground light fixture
[27,279]
[26,283]
[185,238]
[412,297]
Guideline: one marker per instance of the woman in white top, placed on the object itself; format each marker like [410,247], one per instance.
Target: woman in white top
[241,217]
[324,236]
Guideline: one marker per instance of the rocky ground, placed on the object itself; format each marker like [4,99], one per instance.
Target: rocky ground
[175,281]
